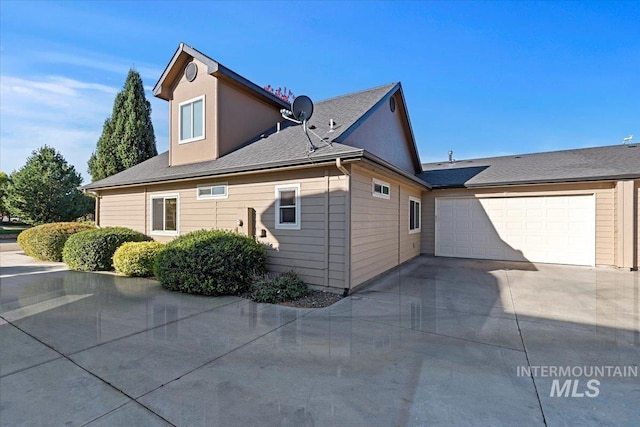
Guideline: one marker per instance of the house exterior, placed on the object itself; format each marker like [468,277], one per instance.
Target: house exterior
[360,203]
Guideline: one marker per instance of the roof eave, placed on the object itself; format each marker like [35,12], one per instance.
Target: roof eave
[372,157]
[607,178]
[233,171]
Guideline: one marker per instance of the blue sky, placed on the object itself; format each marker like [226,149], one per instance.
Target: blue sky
[480,78]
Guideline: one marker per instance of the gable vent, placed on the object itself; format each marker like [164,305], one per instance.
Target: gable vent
[191,71]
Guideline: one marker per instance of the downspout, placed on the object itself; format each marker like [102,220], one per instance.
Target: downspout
[399,220]
[327,236]
[340,167]
[347,226]
[96,216]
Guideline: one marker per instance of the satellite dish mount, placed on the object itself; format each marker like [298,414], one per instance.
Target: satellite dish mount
[301,110]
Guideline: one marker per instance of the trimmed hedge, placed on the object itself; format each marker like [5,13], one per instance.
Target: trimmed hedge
[93,250]
[210,263]
[136,258]
[45,242]
[284,287]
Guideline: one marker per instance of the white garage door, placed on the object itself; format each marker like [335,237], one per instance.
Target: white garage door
[558,229]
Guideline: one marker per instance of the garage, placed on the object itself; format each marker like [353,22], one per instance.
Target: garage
[547,229]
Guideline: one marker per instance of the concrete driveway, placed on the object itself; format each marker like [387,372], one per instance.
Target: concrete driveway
[437,342]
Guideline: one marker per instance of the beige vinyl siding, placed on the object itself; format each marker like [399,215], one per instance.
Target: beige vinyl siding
[319,261]
[125,208]
[605,210]
[380,237]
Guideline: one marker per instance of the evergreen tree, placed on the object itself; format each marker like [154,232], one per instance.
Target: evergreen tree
[45,189]
[127,136]
[4,182]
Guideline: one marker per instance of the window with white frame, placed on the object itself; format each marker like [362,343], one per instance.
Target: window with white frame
[414,215]
[380,189]
[217,191]
[164,214]
[191,120]
[288,206]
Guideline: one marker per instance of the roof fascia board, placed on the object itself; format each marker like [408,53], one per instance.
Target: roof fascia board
[418,164]
[539,182]
[244,82]
[377,160]
[288,165]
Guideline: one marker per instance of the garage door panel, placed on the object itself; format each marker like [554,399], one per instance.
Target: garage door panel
[553,229]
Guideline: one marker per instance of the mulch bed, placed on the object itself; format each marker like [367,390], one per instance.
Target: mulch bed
[314,299]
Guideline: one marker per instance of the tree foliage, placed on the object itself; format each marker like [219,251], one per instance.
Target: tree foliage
[282,92]
[4,182]
[45,190]
[127,136]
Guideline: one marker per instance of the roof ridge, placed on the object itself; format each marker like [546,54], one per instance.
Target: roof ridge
[526,154]
[359,92]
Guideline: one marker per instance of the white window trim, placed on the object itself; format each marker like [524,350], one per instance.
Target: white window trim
[419,229]
[217,196]
[382,183]
[204,125]
[162,232]
[287,226]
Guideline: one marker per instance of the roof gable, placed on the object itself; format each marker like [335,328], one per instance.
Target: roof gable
[386,133]
[185,53]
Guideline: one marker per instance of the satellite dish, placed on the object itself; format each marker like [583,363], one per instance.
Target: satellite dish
[302,108]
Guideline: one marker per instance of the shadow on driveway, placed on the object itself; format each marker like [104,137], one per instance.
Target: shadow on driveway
[437,341]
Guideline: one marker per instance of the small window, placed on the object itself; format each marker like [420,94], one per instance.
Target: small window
[192,120]
[288,206]
[381,189]
[414,215]
[164,214]
[218,191]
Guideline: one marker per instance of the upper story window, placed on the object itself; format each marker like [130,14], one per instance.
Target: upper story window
[380,189]
[414,215]
[288,206]
[164,214]
[192,120]
[218,191]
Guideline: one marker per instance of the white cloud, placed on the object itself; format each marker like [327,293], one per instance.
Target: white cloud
[101,63]
[64,113]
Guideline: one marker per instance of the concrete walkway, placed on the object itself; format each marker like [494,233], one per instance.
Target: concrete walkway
[437,342]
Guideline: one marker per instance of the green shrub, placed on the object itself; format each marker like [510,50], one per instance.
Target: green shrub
[45,242]
[210,263]
[285,287]
[93,250]
[136,258]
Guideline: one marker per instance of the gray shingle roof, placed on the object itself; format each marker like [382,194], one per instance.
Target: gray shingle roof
[586,164]
[270,150]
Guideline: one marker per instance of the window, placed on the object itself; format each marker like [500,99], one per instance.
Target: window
[381,189]
[414,215]
[218,191]
[192,120]
[288,206]
[164,214]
